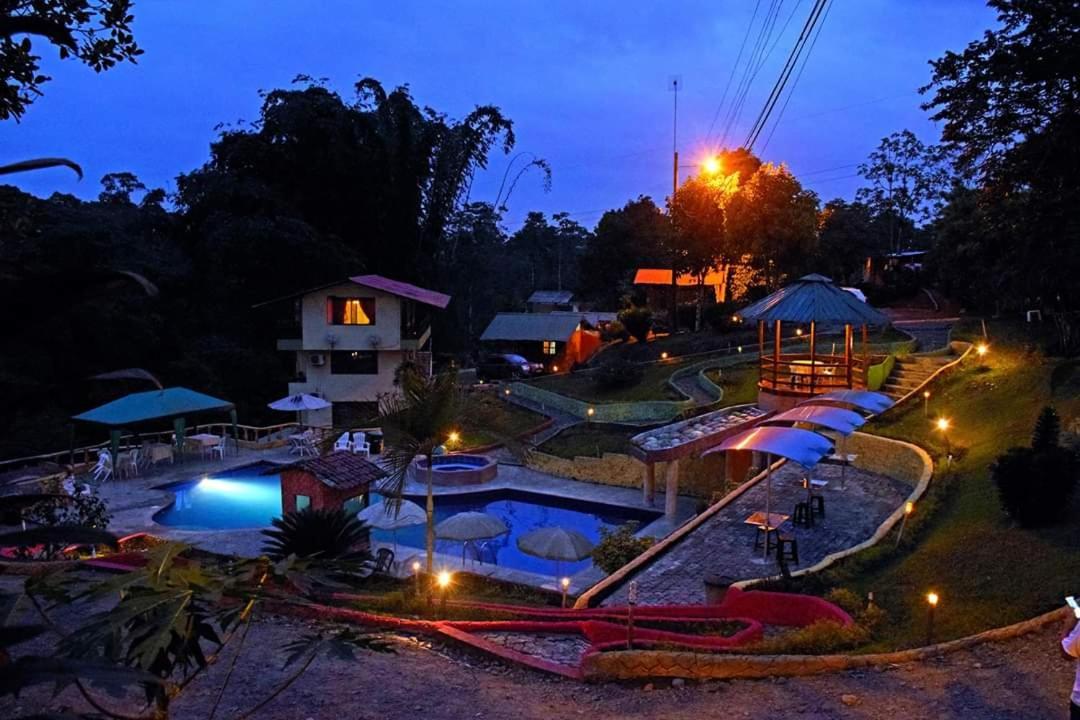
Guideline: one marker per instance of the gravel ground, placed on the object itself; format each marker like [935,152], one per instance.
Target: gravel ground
[1027,678]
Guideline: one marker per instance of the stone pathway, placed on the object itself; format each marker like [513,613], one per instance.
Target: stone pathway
[930,334]
[565,649]
[723,544]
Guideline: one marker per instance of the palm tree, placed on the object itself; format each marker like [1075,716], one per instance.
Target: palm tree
[415,421]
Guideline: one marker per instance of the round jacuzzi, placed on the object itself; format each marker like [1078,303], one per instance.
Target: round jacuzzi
[456,469]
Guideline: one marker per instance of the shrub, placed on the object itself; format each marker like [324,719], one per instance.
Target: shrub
[613,330]
[1047,432]
[637,321]
[1035,483]
[326,534]
[617,374]
[820,638]
[84,509]
[718,316]
[847,600]
[618,547]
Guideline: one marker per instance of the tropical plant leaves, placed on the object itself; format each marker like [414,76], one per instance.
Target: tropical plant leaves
[40,164]
[27,671]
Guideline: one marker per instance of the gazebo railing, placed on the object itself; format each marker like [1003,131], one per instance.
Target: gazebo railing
[798,374]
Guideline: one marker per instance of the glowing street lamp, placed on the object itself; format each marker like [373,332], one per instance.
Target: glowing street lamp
[416,574]
[711,165]
[565,584]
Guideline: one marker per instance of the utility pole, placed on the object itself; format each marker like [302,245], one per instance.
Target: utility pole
[674,85]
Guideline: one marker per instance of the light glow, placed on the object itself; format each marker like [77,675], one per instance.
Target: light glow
[943,424]
[444,579]
[982,349]
[591,411]
[664,355]
[416,566]
[453,437]
[711,165]
[565,582]
[926,394]
[909,507]
[932,598]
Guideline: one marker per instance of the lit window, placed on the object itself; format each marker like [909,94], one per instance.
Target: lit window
[549,348]
[302,501]
[350,311]
[354,505]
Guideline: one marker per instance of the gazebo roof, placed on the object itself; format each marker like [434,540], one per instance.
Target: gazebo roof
[339,470]
[813,298]
[153,405]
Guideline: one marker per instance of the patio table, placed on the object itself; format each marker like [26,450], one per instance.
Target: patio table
[154,453]
[203,441]
[839,459]
[769,524]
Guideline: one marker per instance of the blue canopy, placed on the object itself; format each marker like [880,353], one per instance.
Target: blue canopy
[153,405]
[842,421]
[867,401]
[805,447]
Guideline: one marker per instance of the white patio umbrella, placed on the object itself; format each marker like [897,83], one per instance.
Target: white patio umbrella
[299,403]
[381,516]
[466,527]
[555,543]
[800,446]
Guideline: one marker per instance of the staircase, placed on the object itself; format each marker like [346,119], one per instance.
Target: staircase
[910,372]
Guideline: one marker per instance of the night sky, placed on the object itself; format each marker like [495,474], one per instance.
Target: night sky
[584,82]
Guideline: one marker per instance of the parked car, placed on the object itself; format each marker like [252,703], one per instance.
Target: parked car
[506,366]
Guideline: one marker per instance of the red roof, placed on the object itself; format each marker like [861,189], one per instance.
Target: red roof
[660,276]
[403,289]
[340,470]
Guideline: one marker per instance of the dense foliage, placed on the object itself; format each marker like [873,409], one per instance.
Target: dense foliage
[618,547]
[1035,483]
[315,533]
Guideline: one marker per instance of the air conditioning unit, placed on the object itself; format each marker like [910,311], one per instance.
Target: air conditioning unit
[317,359]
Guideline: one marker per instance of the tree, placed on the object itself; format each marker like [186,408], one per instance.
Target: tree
[1036,483]
[624,240]
[95,32]
[1009,105]
[907,179]
[847,234]
[775,219]
[698,234]
[117,187]
[638,322]
[415,421]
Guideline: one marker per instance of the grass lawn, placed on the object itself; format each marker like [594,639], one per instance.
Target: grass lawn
[487,418]
[739,383]
[590,440]
[987,571]
[652,386]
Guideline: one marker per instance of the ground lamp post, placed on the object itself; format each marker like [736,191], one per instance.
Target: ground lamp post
[931,605]
[444,580]
[943,424]
[416,573]
[565,584]
[631,601]
[926,403]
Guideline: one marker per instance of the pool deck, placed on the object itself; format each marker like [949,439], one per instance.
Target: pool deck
[134,501]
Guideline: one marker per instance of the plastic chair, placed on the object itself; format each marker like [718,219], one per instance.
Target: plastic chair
[219,449]
[131,467]
[360,444]
[104,468]
[343,443]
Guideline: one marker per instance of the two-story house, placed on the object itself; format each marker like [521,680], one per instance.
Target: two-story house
[353,337]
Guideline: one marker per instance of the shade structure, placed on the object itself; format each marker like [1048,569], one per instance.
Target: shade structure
[813,298]
[153,405]
[867,401]
[804,447]
[555,543]
[299,403]
[827,417]
[467,526]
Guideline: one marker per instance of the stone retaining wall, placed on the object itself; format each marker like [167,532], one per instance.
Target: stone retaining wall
[647,411]
[644,664]
[697,476]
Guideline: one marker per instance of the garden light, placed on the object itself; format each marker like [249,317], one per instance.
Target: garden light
[591,411]
[444,579]
[565,584]
[931,605]
[982,349]
[453,437]
[506,391]
[798,331]
[932,599]
[926,403]
[416,574]
[909,507]
[943,424]
[664,355]
[554,368]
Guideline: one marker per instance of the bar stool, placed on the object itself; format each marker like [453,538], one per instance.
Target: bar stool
[787,548]
[817,505]
[769,537]
[802,515]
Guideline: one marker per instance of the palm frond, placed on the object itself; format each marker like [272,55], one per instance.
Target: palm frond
[40,164]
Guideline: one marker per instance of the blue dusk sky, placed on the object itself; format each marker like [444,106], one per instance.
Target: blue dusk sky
[586,84]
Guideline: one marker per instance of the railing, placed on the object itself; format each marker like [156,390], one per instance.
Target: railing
[797,374]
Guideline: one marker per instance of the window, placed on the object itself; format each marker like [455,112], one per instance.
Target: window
[302,501]
[350,311]
[354,362]
[354,505]
[550,348]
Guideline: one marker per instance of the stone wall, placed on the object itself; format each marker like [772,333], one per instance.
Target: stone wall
[699,477]
[648,411]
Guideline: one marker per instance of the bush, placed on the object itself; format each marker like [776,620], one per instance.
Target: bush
[718,316]
[83,509]
[613,330]
[326,534]
[847,600]
[617,374]
[1035,483]
[637,321]
[618,547]
[821,638]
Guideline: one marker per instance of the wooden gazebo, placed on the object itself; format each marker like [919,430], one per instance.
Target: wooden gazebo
[813,301]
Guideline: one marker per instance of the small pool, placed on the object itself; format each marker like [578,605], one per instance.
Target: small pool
[456,469]
[247,498]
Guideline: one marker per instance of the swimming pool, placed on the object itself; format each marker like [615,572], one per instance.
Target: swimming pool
[247,498]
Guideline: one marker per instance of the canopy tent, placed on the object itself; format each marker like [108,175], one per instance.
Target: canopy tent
[811,300]
[866,401]
[804,447]
[166,404]
[836,419]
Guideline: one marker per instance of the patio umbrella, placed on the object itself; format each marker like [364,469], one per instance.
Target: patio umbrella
[381,516]
[299,403]
[466,527]
[555,543]
[800,446]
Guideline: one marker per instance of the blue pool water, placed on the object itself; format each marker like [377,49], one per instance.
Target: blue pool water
[246,498]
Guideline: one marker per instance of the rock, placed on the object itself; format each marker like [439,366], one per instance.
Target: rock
[678,682]
[849,699]
[648,687]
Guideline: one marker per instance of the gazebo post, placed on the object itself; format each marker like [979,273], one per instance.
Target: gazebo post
[776,356]
[865,357]
[813,354]
[648,487]
[671,489]
[847,353]
[761,348]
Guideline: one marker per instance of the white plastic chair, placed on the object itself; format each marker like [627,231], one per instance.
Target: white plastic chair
[307,445]
[343,443]
[360,444]
[131,466]
[104,468]
[219,449]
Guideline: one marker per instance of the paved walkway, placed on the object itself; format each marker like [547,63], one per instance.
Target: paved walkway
[723,544]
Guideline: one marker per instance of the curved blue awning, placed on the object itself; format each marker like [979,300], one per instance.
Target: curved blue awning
[864,400]
[838,419]
[804,447]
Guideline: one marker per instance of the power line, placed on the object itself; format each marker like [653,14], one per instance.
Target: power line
[731,75]
[753,64]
